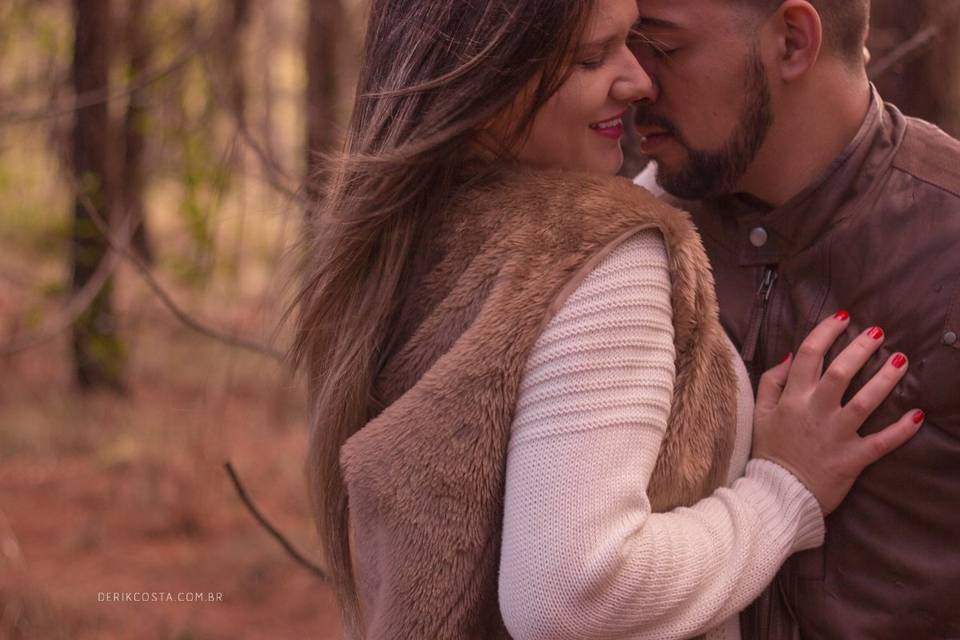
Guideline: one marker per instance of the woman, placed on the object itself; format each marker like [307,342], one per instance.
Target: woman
[482,284]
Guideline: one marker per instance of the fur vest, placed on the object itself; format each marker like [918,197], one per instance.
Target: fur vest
[425,477]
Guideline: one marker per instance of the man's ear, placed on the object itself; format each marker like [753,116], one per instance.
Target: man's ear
[798,35]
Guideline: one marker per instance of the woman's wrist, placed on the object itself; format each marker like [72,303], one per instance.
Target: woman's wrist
[792,511]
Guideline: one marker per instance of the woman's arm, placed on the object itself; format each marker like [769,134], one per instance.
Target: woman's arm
[583,556]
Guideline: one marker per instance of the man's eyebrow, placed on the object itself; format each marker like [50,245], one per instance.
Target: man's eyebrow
[656,23]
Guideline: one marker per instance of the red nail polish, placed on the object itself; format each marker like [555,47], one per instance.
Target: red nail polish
[788,356]
[899,360]
[842,315]
[919,417]
[876,333]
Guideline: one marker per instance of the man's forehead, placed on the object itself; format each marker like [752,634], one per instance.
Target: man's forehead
[675,14]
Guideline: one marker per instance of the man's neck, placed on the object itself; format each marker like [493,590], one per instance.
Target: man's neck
[802,143]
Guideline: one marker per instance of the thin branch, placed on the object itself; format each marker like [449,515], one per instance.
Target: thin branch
[79,303]
[74,308]
[167,300]
[17,275]
[904,51]
[275,174]
[98,96]
[76,305]
[279,537]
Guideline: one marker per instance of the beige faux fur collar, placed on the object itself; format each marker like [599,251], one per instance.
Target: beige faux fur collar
[426,476]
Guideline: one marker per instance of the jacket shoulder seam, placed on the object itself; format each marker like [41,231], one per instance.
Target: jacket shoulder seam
[923,144]
[954,191]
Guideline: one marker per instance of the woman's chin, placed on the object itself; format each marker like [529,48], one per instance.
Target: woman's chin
[611,164]
[607,162]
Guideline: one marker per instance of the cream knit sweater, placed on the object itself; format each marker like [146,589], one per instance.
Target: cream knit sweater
[583,556]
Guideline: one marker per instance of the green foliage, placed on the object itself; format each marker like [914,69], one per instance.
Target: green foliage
[35,212]
[110,352]
[54,289]
[91,190]
[204,176]
[32,318]
[101,355]
[42,25]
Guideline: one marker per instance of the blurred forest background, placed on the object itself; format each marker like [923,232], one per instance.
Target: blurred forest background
[154,179]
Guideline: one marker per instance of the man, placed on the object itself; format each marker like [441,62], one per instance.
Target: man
[813,196]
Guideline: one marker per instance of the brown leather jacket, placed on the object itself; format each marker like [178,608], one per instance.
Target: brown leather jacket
[878,235]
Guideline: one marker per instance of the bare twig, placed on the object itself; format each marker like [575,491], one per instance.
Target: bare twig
[17,275]
[91,98]
[97,96]
[120,249]
[904,51]
[167,300]
[275,174]
[279,537]
[75,306]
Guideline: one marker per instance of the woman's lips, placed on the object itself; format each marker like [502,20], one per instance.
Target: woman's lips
[612,128]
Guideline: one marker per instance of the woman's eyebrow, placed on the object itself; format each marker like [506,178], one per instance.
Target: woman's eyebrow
[603,43]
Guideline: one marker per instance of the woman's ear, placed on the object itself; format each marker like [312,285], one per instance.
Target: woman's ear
[799,38]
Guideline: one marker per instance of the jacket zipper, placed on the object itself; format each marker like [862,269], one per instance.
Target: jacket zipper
[758,316]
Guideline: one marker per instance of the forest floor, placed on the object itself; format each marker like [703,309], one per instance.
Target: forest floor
[110,494]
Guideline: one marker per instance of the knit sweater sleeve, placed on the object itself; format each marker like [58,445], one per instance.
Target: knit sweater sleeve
[583,556]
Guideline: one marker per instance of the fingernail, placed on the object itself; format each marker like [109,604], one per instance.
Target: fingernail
[919,417]
[842,315]
[876,333]
[899,360]
[788,356]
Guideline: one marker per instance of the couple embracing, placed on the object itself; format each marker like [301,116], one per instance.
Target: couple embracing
[721,401]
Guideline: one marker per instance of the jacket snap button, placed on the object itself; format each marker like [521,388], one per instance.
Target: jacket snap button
[758,237]
[950,338]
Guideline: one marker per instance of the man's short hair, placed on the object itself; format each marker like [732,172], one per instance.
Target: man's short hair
[845,24]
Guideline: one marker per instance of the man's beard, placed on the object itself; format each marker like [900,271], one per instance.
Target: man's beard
[713,173]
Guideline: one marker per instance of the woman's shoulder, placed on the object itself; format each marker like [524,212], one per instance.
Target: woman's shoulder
[567,207]
[641,250]
[575,190]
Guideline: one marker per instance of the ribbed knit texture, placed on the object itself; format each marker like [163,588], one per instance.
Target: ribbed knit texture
[583,556]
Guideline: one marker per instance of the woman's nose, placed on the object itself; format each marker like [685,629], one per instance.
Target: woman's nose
[635,84]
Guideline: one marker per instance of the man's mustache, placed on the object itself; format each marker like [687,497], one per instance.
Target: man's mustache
[644,118]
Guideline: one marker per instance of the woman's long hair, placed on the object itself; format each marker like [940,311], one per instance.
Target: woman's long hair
[434,74]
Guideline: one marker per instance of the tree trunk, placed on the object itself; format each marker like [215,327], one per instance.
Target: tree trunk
[324,22]
[132,181]
[99,355]
[927,83]
[272,25]
[235,59]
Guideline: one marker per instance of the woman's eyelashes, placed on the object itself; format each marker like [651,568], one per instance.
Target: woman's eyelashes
[593,56]
[597,60]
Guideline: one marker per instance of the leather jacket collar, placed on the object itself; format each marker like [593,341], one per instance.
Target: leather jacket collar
[793,227]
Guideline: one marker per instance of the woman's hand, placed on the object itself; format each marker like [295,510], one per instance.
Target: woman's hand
[800,424]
